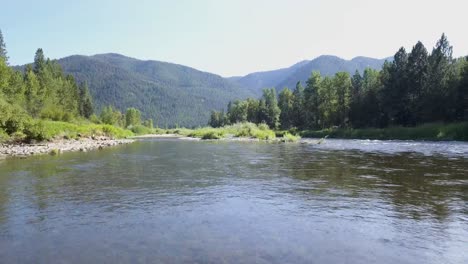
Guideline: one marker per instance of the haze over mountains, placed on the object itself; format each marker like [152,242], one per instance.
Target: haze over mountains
[176,95]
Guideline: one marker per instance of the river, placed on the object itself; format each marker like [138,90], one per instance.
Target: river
[176,201]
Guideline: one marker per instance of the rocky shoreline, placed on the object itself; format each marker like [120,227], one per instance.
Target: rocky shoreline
[57,146]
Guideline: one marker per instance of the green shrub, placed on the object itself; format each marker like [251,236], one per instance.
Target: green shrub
[3,135]
[140,130]
[288,137]
[36,130]
[213,135]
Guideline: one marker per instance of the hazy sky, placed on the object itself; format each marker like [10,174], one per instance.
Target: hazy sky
[229,37]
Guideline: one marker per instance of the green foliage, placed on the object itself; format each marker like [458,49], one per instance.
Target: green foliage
[286,105]
[244,130]
[435,131]
[251,130]
[413,89]
[140,130]
[47,130]
[132,117]
[3,52]
[288,137]
[85,103]
[42,104]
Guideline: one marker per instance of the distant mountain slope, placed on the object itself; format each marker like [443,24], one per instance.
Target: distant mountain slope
[171,94]
[329,65]
[267,79]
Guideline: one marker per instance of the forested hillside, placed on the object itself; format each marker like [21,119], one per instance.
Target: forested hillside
[416,87]
[170,94]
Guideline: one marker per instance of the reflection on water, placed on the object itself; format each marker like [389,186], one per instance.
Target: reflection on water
[219,202]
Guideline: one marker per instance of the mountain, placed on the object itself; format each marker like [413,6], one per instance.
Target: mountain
[327,65]
[267,79]
[174,94]
[169,93]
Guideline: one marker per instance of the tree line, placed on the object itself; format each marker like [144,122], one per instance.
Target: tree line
[42,90]
[415,88]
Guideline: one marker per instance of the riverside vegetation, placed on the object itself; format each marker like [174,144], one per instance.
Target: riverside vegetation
[42,103]
[416,96]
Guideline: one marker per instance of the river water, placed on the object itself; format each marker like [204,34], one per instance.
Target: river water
[175,201]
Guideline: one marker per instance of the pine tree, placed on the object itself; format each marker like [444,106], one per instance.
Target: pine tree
[39,61]
[3,51]
[285,103]
[269,110]
[436,94]
[394,95]
[85,102]
[298,106]
[311,100]
[417,73]
[342,84]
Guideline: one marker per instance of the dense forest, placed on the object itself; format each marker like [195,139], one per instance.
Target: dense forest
[42,91]
[415,88]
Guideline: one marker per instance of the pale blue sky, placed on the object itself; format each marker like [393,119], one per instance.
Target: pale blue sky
[229,37]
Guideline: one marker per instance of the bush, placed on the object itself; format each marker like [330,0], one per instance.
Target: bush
[3,135]
[36,130]
[288,137]
[140,130]
[213,135]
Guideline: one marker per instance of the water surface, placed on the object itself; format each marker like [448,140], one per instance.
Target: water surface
[171,201]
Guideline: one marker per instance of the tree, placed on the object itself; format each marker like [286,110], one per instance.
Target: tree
[285,103]
[33,99]
[394,95]
[298,106]
[85,102]
[342,84]
[356,99]
[461,99]
[269,110]
[311,100]
[3,51]
[132,117]
[217,119]
[436,92]
[238,112]
[39,61]
[417,73]
[252,110]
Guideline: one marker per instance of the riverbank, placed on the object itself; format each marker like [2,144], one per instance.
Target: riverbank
[431,132]
[249,131]
[58,146]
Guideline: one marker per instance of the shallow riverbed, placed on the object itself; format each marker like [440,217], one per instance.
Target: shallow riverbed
[176,201]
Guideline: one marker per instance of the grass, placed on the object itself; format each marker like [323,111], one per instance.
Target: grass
[433,131]
[45,130]
[241,130]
